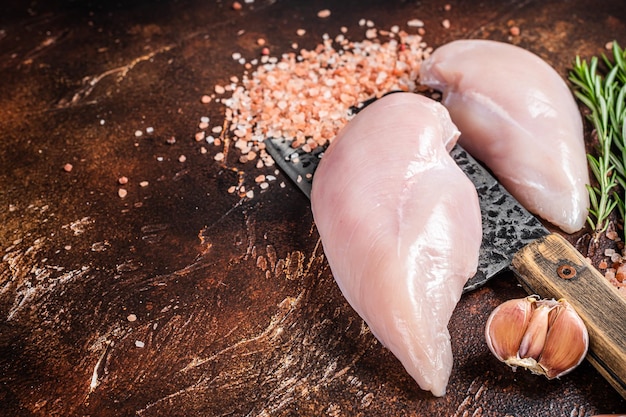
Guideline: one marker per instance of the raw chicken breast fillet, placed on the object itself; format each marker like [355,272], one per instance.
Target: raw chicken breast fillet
[401,228]
[518,116]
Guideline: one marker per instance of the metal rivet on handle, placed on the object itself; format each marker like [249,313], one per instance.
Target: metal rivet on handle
[566,271]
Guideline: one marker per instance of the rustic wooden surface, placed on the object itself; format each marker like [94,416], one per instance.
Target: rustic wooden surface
[235,305]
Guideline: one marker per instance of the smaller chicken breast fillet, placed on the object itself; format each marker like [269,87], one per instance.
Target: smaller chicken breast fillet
[518,116]
[401,228]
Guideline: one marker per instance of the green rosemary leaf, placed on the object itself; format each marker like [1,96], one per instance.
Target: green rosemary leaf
[617,162]
[604,94]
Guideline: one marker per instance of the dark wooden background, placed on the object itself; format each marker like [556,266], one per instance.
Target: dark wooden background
[235,305]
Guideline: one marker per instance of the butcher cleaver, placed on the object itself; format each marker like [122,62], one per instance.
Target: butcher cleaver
[544,263]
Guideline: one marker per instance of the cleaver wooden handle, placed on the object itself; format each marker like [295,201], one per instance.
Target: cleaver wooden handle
[552,268]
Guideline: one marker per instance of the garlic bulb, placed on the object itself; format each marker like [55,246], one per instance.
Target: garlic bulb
[546,337]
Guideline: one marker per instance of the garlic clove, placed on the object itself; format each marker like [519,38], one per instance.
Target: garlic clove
[566,344]
[546,337]
[506,327]
[537,330]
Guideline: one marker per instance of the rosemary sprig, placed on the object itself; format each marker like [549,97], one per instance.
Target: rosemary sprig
[605,96]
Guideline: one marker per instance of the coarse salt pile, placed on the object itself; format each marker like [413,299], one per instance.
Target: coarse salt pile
[307,96]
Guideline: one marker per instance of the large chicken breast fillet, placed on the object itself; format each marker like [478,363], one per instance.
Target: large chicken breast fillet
[400,224]
[519,117]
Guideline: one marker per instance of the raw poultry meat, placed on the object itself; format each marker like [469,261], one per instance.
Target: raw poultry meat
[518,116]
[401,228]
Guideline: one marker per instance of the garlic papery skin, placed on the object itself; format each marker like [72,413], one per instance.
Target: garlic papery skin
[546,337]
[566,344]
[504,338]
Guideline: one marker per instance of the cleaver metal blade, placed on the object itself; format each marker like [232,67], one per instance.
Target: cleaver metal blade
[544,263]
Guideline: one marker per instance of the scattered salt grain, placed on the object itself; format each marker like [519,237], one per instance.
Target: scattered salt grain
[307,96]
[143,183]
[149,130]
[236,5]
[200,136]
[138,133]
[322,14]
[182,158]
[122,180]
[68,167]
[122,193]
[415,23]
[205,99]
[131,318]
[139,344]
[446,24]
